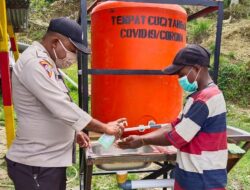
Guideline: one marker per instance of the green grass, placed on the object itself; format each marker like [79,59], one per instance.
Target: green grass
[198,30]
[239,176]
[72,73]
[238,117]
[108,182]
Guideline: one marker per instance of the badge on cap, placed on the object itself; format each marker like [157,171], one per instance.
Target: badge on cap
[47,66]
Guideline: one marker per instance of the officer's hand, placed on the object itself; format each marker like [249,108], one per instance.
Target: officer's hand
[82,139]
[133,141]
[116,127]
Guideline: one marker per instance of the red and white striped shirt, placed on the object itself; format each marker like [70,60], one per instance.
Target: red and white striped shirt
[200,136]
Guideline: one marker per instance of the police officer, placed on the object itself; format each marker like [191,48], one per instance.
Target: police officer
[48,121]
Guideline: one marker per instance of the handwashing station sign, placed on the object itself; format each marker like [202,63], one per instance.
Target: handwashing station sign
[150,27]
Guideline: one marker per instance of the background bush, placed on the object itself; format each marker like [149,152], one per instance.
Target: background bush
[234,80]
[198,30]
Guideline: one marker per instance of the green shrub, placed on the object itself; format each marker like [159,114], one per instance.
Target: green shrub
[198,30]
[39,5]
[38,35]
[72,73]
[234,80]
[231,55]
[50,1]
[212,48]
[226,3]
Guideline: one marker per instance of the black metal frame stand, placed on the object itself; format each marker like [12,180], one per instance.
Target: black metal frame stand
[84,72]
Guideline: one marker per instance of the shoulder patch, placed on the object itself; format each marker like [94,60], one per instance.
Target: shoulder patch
[47,66]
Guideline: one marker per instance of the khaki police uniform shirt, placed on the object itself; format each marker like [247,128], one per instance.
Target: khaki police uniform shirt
[46,118]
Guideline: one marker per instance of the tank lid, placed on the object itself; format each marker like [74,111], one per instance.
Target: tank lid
[120,4]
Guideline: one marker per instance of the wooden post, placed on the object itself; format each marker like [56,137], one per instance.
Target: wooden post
[5,76]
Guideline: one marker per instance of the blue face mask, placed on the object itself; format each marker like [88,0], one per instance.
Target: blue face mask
[186,85]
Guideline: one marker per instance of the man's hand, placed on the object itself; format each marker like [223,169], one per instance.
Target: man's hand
[133,141]
[82,139]
[116,128]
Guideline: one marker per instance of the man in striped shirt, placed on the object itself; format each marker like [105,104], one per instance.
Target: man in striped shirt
[199,133]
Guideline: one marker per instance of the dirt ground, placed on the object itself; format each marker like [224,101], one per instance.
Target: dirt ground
[39,19]
[235,39]
[3,149]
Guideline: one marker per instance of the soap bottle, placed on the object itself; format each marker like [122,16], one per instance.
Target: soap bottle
[106,140]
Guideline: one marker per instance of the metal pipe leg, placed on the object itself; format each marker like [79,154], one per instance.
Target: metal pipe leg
[88,177]
[165,176]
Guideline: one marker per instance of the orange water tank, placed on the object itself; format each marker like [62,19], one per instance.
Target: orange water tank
[140,36]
